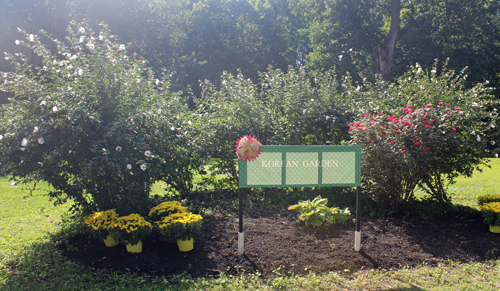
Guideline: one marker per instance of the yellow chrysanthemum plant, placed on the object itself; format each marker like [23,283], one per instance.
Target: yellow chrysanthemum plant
[130,229]
[98,223]
[179,226]
[488,198]
[491,213]
[165,209]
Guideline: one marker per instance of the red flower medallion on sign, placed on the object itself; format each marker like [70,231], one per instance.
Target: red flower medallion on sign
[248,148]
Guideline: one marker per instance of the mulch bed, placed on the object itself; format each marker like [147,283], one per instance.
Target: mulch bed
[278,244]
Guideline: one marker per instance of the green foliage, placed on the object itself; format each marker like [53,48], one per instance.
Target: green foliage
[91,121]
[315,213]
[423,131]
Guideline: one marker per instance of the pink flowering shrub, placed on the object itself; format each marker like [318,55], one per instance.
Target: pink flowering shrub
[425,143]
[417,145]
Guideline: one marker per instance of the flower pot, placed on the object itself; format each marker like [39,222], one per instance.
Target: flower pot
[109,241]
[185,245]
[137,248]
[495,228]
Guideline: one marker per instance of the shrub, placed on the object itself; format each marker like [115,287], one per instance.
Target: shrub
[91,121]
[283,109]
[421,139]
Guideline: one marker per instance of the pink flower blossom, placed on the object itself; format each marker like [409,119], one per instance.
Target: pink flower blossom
[248,148]
[428,125]
[454,129]
[456,108]
[417,143]
[428,105]
[365,115]
[392,141]
[440,103]
[403,151]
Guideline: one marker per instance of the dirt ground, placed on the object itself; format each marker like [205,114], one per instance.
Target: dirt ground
[278,244]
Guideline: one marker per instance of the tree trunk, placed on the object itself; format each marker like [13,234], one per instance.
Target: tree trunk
[383,56]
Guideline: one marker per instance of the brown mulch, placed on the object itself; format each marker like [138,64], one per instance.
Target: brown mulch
[278,244]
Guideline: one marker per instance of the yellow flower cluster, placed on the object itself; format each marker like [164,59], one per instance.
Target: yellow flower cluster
[165,209]
[100,220]
[183,218]
[491,207]
[131,223]
[488,198]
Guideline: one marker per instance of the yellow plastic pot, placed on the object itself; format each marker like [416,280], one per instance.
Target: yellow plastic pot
[109,241]
[137,248]
[185,245]
[495,228]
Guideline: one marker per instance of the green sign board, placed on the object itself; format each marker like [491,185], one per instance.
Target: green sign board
[303,166]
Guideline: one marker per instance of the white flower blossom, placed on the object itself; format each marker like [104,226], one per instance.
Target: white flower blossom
[17,42]
[101,37]
[41,140]
[118,148]
[24,142]
[189,122]
[82,30]
[478,138]
[143,167]
[82,39]
[55,109]
[80,72]
[13,183]
[147,153]
[32,37]
[1,137]
[172,128]
[129,167]
[122,47]
[312,100]
[35,129]
[90,45]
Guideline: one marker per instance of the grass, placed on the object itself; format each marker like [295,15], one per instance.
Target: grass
[30,225]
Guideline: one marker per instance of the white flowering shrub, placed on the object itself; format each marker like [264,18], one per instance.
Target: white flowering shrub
[91,121]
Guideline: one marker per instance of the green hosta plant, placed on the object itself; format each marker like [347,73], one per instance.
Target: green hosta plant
[315,213]
[491,213]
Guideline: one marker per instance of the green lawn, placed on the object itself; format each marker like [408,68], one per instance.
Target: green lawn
[29,225]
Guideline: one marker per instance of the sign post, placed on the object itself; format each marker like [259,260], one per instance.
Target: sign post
[302,166]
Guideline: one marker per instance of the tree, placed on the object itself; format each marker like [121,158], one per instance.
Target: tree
[383,56]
